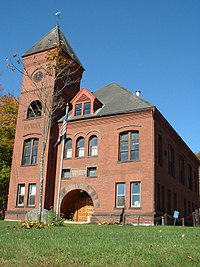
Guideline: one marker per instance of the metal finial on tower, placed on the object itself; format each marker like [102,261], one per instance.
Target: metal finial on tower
[58,17]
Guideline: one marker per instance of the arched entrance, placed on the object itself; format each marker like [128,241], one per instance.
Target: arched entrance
[77,205]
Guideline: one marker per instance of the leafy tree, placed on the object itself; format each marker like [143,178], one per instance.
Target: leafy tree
[8,116]
[60,69]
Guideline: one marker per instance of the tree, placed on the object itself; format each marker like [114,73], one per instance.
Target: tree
[57,74]
[198,155]
[8,116]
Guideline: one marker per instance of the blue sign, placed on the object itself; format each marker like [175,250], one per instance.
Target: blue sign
[176,214]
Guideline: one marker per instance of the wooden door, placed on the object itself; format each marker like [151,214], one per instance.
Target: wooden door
[85,210]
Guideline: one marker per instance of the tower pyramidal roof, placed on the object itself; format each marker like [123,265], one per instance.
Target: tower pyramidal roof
[48,42]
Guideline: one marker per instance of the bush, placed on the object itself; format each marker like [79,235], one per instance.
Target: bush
[53,220]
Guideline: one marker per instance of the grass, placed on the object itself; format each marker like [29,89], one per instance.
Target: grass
[99,245]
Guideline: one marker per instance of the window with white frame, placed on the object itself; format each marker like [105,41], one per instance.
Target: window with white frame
[68,149]
[31,195]
[80,147]
[20,195]
[120,195]
[93,146]
[135,194]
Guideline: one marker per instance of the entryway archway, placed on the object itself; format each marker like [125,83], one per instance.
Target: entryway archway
[77,205]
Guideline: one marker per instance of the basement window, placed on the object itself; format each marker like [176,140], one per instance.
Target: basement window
[66,173]
[91,172]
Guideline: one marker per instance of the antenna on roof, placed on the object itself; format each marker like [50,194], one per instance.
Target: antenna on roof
[58,17]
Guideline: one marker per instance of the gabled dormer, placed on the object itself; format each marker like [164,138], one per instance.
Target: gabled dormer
[84,103]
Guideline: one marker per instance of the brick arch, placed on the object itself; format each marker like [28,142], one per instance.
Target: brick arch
[84,187]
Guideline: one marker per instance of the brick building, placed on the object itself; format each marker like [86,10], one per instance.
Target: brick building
[120,156]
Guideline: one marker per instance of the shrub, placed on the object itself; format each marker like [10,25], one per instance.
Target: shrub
[54,220]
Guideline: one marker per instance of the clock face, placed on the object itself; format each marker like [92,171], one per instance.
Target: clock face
[37,77]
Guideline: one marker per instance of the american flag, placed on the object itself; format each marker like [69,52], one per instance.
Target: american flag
[63,129]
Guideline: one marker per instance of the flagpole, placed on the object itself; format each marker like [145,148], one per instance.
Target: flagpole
[60,173]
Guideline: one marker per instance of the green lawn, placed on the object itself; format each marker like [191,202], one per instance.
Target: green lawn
[99,245]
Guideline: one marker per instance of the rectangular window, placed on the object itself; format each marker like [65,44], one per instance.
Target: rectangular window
[124,147]
[87,108]
[92,172]
[30,152]
[78,109]
[160,150]
[129,146]
[66,174]
[31,195]
[134,146]
[69,153]
[34,152]
[135,194]
[81,151]
[120,195]
[20,195]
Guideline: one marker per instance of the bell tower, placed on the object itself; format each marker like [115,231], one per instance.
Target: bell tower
[52,76]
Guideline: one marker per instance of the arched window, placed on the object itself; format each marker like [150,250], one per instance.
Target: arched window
[34,110]
[93,146]
[80,147]
[68,149]
[30,152]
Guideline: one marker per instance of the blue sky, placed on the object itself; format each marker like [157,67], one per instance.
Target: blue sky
[151,45]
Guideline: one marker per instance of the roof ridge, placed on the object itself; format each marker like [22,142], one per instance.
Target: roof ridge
[126,90]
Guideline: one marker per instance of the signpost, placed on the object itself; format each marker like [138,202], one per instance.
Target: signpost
[176,214]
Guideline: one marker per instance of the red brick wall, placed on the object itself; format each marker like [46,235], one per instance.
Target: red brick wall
[109,169]
[169,136]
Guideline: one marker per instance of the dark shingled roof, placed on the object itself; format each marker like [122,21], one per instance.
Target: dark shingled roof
[115,100]
[55,36]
